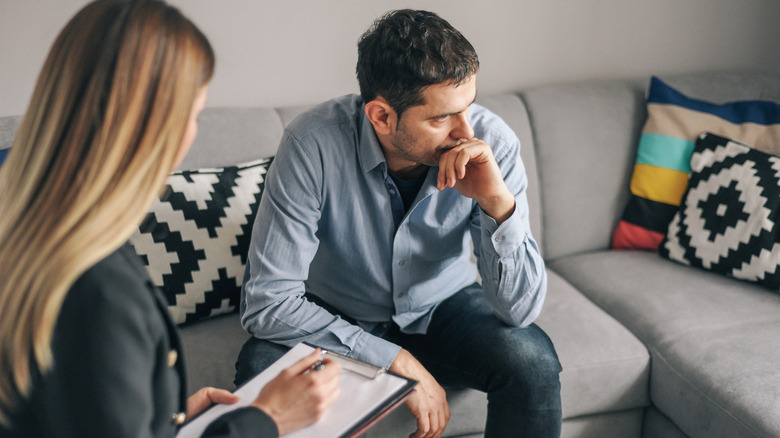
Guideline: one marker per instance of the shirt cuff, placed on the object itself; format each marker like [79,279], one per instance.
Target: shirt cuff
[504,239]
[375,350]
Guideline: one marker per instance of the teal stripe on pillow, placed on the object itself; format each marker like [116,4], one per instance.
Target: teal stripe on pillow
[664,151]
[3,153]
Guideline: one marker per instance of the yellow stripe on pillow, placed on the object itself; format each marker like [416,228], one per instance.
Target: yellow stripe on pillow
[659,184]
[676,121]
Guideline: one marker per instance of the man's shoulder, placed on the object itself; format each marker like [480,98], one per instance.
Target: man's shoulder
[341,113]
[491,128]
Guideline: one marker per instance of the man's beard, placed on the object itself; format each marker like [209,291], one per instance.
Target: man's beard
[404,144]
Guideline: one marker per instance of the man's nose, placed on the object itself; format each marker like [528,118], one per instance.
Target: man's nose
[462,128]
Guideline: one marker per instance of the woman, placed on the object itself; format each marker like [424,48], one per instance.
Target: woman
[86,345]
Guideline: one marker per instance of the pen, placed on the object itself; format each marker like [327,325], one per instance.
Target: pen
[317,366]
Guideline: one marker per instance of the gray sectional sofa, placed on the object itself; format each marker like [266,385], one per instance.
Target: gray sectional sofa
[649,347]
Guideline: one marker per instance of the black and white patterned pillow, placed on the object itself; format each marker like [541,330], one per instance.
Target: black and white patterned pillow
[195,238]
[729,218]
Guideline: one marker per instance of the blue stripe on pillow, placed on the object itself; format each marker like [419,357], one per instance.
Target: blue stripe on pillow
[757,111]
[3,153]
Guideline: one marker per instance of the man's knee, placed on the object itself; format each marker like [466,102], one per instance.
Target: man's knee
[255,356]
[531,360]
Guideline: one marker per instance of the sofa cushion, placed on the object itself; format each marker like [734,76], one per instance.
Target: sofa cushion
[728,218]
[582,134]
[660,174]
[605,367]
[714,372]
[210,349]
[195,238]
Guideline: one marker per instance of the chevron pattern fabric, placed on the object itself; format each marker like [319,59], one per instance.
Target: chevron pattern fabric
[195,238]
[729,218]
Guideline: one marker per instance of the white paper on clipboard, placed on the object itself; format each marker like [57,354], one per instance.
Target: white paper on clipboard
[367,393]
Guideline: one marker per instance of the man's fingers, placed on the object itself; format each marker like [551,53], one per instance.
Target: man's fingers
[435,425]
[461,160]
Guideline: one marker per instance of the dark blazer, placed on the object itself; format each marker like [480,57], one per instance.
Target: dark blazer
[118,365]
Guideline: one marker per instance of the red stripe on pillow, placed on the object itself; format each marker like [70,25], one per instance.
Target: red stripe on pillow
[631,236]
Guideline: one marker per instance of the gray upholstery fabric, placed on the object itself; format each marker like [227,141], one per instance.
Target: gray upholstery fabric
[605,368]
[210,351]
[657,425]
[8,127]
[228,136]
[289,113]
[614,425]
[711,338]
[585,136]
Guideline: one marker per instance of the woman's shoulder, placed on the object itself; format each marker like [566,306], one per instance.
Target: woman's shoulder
[118,284]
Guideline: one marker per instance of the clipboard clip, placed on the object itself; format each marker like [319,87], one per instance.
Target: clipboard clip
[355,366]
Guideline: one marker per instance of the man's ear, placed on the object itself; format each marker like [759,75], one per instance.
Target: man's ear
[381,115]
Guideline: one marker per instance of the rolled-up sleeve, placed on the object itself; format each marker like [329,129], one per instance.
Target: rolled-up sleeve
[509,261]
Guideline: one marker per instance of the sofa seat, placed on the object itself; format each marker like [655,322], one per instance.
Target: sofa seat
[698,327]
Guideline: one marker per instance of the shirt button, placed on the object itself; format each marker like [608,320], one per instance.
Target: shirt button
[392,191]
[173,356]
[178,418]
[401,262]
[499,238]
[495,281]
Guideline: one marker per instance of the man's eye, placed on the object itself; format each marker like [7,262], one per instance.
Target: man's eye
[442,119]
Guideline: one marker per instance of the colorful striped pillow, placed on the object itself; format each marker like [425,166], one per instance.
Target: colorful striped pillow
[674,122]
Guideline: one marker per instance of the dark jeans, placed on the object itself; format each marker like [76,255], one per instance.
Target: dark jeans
[467,346]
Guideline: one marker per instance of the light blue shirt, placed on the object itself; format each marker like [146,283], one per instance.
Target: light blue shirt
[331,222]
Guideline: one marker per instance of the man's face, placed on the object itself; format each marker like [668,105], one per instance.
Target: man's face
[426,131]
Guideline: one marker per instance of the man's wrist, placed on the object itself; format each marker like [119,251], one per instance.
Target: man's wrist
[499,207]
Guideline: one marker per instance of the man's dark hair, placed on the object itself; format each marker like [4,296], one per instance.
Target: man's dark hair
[405,51]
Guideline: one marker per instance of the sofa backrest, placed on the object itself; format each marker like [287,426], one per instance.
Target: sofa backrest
[586,137]
[578,140]
[8,126]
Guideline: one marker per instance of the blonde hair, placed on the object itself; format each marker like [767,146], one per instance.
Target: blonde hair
[102,132]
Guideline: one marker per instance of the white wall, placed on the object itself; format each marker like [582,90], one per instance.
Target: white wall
[289,52]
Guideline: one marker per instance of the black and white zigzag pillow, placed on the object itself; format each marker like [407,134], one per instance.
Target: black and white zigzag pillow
[195,238]
[729,218]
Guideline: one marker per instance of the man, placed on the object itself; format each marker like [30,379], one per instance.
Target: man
[363,237]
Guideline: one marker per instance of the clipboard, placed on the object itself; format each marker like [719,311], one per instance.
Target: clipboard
[368,393]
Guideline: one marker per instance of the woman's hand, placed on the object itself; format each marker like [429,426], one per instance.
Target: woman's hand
[299,395]
[206,397]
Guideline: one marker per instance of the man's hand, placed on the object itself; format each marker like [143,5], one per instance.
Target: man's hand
[471,169]
[428,402]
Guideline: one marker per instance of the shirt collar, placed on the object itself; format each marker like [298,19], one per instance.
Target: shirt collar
[369,149]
